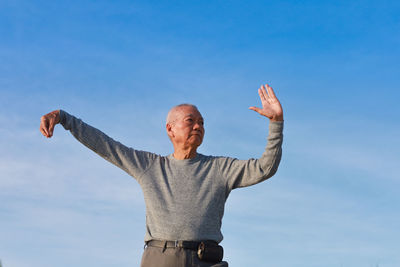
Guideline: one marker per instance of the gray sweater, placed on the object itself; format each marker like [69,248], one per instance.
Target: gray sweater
[184,199]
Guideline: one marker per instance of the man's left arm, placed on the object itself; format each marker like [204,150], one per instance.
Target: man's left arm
[241,173]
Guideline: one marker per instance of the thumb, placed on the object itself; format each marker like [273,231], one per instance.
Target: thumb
[256,109]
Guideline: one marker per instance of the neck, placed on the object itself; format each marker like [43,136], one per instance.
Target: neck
[188,153]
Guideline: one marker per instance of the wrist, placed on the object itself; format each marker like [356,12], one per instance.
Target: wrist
[277,118]
[56,114]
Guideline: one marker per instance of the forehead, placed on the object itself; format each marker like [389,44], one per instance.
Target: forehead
[187,111]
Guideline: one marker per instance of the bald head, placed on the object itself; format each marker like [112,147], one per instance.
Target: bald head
[171,117]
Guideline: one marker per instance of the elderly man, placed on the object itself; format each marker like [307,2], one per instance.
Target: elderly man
[185,192]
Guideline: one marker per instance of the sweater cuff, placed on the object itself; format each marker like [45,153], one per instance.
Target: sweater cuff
[276,126]
[63,117]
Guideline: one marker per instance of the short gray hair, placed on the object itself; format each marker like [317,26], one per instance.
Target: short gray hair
[169,120]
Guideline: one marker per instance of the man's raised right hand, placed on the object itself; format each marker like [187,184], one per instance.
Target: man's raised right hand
[48,121]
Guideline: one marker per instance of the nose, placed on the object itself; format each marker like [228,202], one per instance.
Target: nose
[198,126]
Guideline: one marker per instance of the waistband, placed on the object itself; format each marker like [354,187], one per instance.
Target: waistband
[193,245]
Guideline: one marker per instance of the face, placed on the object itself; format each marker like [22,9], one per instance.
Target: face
[186,128]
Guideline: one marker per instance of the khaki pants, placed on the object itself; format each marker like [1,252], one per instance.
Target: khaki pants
[174,257]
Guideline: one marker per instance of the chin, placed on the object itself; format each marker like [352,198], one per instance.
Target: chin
[197,141]
[200,141]
[196,144]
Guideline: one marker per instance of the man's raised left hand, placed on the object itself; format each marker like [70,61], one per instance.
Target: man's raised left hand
[271,107]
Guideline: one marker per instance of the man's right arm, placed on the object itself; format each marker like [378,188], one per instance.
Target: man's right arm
[134,162]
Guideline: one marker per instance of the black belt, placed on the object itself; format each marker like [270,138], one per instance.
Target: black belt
[208,251]
[193,245]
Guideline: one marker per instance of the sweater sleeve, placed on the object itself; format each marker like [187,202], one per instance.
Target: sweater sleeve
[134,162]
[242,173]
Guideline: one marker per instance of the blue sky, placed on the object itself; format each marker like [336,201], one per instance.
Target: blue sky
[120,65]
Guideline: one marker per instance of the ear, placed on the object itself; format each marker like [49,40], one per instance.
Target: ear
[170,131]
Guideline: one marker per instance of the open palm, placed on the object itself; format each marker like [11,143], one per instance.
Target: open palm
[271,107]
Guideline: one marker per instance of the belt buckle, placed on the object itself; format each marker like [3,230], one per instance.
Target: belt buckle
[176,243]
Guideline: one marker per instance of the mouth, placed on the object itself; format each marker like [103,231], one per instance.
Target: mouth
[197,134]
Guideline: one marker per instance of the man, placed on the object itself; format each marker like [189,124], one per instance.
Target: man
[184,192]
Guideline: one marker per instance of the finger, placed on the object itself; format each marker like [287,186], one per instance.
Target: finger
[51,127]
[42,123]
[271,92]
[264,92]
[43,131]
[261,94]
[45,126]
